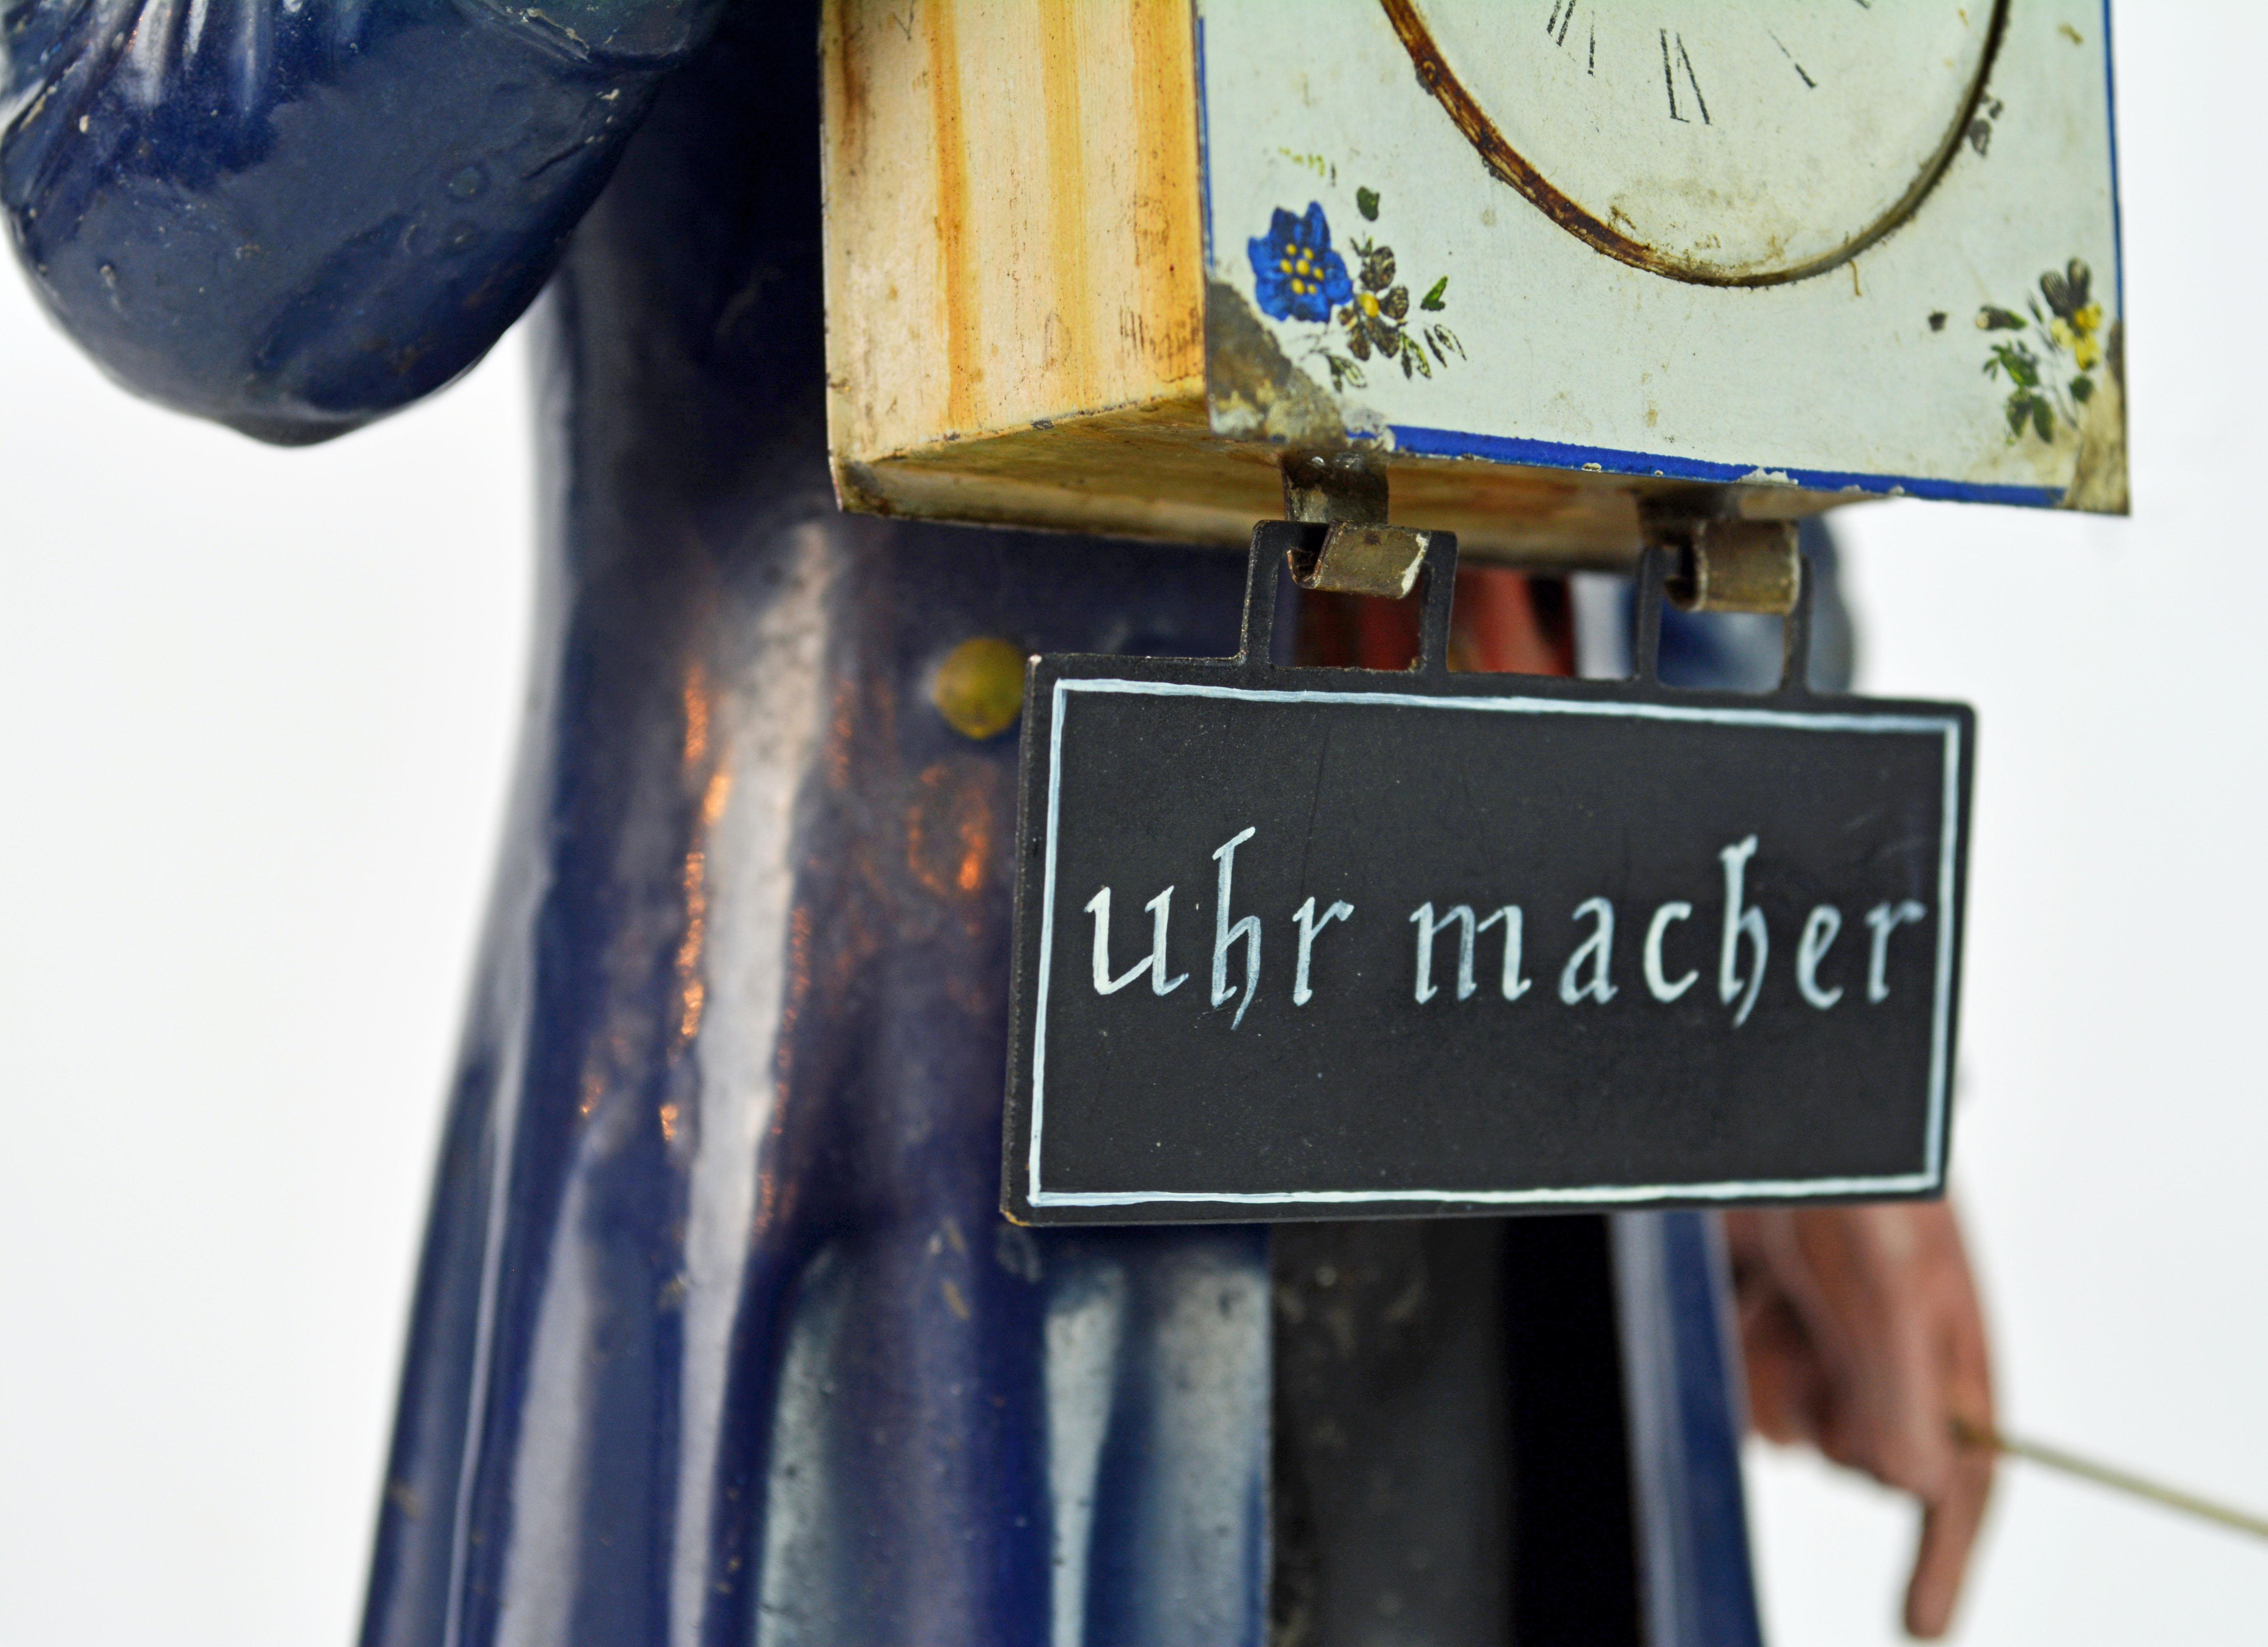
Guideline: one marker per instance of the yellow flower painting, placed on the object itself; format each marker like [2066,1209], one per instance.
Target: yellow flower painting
[2069,327]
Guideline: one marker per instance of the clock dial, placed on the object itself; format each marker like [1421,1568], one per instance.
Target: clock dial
[1732,145]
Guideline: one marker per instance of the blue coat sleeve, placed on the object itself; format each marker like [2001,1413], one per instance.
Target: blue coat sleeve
[297,216]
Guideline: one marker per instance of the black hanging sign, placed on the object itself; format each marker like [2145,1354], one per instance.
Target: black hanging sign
[1328,943]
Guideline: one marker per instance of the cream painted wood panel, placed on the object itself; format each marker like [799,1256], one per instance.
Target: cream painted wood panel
[1057,270]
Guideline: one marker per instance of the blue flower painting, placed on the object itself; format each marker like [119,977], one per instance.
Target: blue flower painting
[1296,274]
[1297,277]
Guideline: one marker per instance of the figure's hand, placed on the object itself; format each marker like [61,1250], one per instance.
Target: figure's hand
[1864,1337]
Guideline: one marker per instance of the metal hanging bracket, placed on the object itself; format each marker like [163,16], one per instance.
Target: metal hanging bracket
[1286,545]
[1718,564]
[1358,553]
[1657,581]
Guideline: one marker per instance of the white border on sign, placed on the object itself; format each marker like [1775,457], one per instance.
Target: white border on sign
[1942,1006]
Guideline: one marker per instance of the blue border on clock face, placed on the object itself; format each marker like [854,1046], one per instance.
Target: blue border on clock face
[1450,443]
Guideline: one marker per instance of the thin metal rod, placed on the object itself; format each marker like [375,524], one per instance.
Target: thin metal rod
[2119,1481]
[1795,633]
[1440,596]
[1645,642]
[1260,576]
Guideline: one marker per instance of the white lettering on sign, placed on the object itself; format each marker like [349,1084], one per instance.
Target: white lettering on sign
[1818,935]
[1154,964]
[1587,974]
[1598,949]
[1739,923]
[1511,985]
[1305,914]
[1657,981]
[1246,930]
[1422,918]
[1886,919]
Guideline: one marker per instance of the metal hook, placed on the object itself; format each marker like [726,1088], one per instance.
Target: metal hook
[1272,541]
[1645,641]
[1795,634]
[1277,544]
[1440,595]
[1654,574]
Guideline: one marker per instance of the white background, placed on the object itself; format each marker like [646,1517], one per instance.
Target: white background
[256,709]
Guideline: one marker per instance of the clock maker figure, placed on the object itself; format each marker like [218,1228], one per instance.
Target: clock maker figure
[718,1336]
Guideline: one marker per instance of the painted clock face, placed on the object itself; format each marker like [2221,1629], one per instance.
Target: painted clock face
[1730,143]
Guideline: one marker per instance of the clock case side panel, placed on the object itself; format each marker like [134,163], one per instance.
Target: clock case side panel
[2101,484]
[1009,198]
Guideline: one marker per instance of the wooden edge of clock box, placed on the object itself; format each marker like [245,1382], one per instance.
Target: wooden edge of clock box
[1016,306]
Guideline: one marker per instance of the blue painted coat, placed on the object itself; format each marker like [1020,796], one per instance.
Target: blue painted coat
[718,1335]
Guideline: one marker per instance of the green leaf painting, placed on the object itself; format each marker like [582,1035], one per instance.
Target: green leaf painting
[2069,329]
